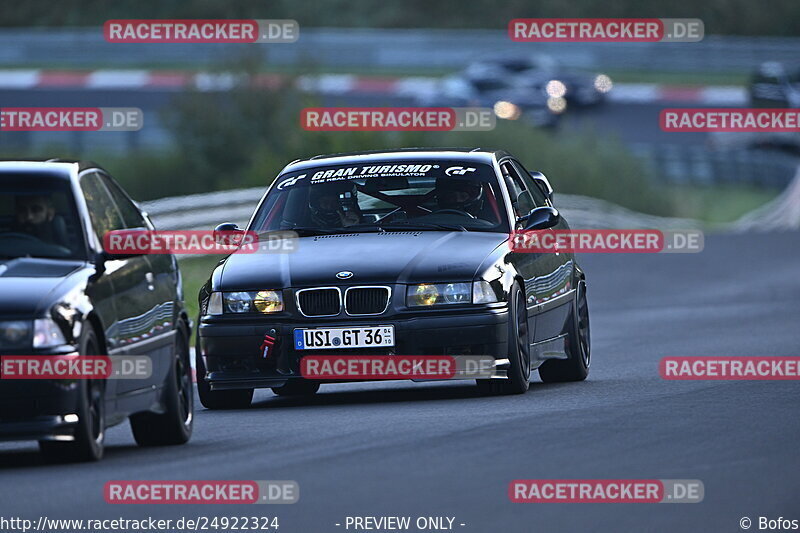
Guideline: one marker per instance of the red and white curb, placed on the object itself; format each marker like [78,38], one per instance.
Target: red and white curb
[336,84]
[650,92]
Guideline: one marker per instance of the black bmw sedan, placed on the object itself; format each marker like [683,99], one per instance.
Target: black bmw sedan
[62,295]
[406,252]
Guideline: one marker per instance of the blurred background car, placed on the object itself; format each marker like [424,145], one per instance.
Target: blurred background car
[775,84]
[543,72]
[509,101]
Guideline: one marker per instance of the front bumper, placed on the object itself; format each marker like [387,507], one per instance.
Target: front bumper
[233,359]
[35,409]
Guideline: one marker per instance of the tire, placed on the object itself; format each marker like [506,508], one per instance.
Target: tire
[175,425]
[297,387]
[88,444]
[519,354]
[219,399]
[578,344]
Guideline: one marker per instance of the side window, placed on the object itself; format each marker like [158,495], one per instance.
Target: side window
[520,197]
[104,214]
[539,199]
[131,215]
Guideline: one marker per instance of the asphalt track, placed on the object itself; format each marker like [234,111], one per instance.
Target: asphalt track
[438,449]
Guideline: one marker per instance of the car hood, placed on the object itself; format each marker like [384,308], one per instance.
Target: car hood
[25,283]
[391,257]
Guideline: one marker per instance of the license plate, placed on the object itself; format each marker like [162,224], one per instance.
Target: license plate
[333,338]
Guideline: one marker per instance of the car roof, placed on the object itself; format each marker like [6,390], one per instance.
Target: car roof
[476,155]
[65,168]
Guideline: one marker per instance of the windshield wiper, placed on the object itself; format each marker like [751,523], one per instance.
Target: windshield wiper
[424,226]
[317,231]
[372,228]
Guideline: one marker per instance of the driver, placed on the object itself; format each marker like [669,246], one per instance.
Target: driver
[334,205]
[35,215]
[460,194]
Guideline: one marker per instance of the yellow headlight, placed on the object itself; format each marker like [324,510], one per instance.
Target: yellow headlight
[426,294]
[268,302]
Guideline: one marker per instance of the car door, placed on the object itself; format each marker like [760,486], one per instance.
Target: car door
[128,278]
[553,293]
[163,280]
[545,274]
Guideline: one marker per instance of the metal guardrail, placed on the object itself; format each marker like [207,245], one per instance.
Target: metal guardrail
[683,164]
[205,211]
[391,48]
[781,214]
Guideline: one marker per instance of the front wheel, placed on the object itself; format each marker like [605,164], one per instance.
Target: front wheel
[519,353]
[578,343]
[175,425]
[89,437]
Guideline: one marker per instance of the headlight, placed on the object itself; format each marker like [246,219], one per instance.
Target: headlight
[237,302]
[268,302]
[555,89]
[428,294]
[265,302]
[482,293]
[15,333]
[507,110]
[556,105]
[215,304]
[47,334]
[603,83]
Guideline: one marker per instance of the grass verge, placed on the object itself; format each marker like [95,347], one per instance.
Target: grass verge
[194,272]
[719,204]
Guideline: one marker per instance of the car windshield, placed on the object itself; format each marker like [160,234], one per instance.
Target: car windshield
[38,218]
[385,196]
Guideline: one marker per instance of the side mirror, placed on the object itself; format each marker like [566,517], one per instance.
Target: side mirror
[543,183]
[228,234]
[99,261]
[541,218]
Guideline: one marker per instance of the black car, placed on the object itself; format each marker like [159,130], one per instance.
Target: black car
[61,294]
[541,72]
[416,241]
[774,84]
[508,100]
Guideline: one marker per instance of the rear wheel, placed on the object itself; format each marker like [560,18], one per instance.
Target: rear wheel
[89,435]
[174,426]
[519,354]
[578,345]
[297,387]
[219,399]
